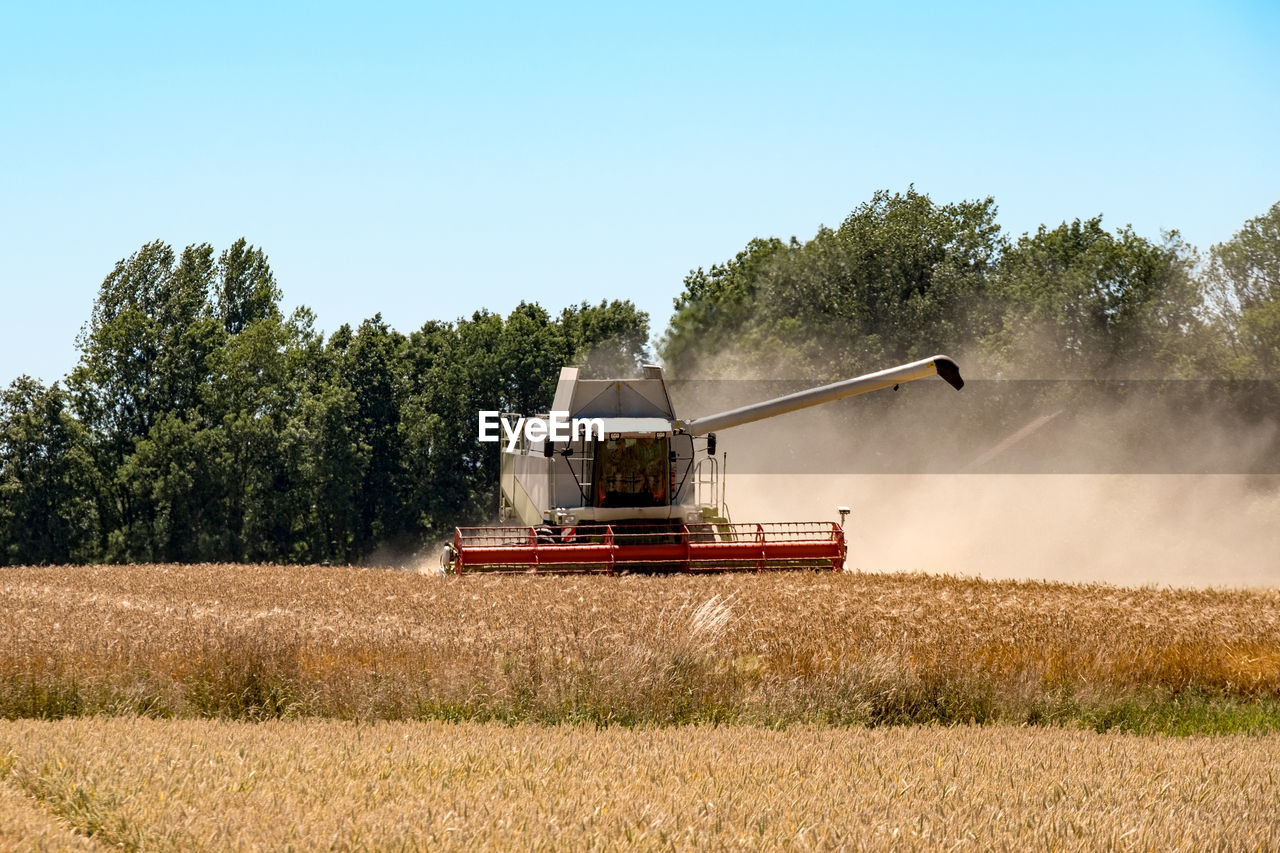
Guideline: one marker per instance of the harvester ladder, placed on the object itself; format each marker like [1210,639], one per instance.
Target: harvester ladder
[706,481]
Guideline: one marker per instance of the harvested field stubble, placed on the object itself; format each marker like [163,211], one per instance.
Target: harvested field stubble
[190,785]
[264,641]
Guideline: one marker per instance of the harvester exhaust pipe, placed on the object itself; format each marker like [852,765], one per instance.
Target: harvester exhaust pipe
[939,365]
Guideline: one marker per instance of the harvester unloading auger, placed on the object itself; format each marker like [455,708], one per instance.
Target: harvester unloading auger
[643,490]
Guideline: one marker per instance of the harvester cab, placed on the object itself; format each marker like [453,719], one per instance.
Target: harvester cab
[624,484]
[624,463]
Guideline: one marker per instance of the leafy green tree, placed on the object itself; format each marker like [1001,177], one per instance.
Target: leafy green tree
[251,404]
[448,472]
[47,478]
[469,375]
[174,484]
[246,289]
[1244,278]
[368,364]
[1080,301]
[144,348]
[716,304]
[184,385]
[331,472]
[528,354]
[610,339]
[901,278]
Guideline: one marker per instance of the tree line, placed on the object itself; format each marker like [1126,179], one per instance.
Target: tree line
[203,424]
[904,277]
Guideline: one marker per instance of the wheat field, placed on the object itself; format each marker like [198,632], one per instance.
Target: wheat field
[256,642]
[259,642]
[263,707]
[142,784]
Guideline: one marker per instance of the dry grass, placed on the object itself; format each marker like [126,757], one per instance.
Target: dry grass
[192,785]
[263,641]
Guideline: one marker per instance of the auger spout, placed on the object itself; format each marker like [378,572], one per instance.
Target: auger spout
[939,365]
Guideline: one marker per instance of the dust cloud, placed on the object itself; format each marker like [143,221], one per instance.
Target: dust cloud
[1129,482]
[1126,529]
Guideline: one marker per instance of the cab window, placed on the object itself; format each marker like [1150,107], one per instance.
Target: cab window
[631,472]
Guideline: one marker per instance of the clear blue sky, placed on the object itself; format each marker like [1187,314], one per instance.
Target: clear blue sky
[425,161]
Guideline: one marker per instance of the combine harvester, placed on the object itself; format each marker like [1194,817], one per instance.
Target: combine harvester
[643,490]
